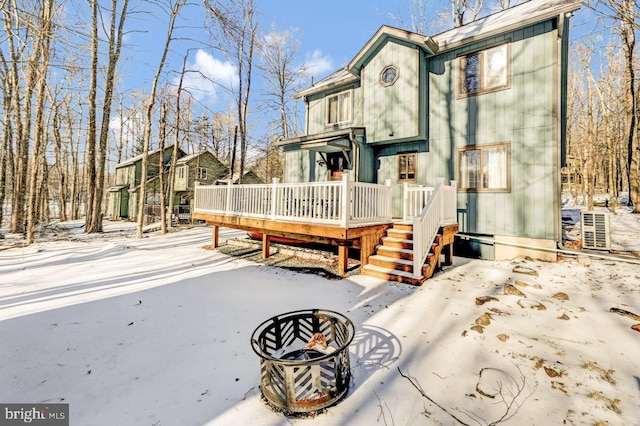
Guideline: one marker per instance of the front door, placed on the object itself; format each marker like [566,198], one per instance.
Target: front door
[337,164]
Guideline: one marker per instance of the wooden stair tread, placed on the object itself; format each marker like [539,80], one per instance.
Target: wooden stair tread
[389,271]
[391,259]
[397,240]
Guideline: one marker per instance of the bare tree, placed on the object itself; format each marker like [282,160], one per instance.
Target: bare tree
[237,30]
[461,9]
[95,188]
[44,40]
[176,146]
[17,44]
[173,15]
[59,159]
[5,137]
[282,77]
[625,13]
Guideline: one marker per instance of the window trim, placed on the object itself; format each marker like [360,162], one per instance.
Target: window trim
[395,78]
[483,148]
[482,51]
[401,155]
[199,173]
[328,103]
[182,172]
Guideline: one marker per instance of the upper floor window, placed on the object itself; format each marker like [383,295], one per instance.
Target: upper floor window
[389,75]
[181,172]
[201,173]
[484,168]
[407,167]
[484,71]
[339,107]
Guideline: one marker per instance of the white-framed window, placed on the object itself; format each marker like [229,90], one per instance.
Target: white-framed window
[484,168]
[181,172]
[484,71]
[339,107]
[201,173]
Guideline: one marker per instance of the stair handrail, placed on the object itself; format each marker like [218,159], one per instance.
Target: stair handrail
[439,210]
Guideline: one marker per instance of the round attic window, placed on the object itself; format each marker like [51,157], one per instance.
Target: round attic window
[389,75]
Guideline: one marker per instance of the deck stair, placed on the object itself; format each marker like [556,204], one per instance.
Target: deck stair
[393,259]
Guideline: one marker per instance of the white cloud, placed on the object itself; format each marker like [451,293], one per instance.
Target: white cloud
[317,64]
[208,78]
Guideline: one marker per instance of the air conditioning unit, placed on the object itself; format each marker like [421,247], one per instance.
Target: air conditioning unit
[596,233]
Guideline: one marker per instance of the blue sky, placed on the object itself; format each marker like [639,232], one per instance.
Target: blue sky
[330,34]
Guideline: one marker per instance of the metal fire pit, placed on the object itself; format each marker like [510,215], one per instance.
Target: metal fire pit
[296,375]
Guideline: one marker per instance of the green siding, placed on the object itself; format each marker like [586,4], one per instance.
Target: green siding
[522,115]
[392,112]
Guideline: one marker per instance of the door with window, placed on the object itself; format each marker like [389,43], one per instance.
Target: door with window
[398,168]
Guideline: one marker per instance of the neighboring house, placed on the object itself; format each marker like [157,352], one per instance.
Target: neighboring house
[572,175]
[123,196]
[191,169]
[483,105]
[201,168]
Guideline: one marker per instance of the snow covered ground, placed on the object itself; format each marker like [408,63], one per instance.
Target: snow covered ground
[156,332]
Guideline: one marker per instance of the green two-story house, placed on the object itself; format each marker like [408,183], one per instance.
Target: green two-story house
[483,105]
[191,169]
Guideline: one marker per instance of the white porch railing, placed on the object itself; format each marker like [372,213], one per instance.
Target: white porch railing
[415,198]
[440,209]
[344,203]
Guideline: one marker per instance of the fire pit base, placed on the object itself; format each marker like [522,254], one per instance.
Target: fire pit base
[304,359]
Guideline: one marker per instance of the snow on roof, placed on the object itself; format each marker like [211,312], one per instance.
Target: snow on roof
[519,16]
[139,157]
[340,77]
[190,157]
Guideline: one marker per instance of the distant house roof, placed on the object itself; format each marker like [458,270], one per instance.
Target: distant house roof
[190,157]
[520,16]
[137,158]
[249,176]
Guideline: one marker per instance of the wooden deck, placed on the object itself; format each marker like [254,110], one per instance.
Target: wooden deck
[365,237]
[344,214]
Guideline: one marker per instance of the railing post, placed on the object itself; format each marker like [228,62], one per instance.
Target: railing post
[196,195]
[405,200]
[274,191]
[417,246]
[344,200]
[227,207]
[441,199]
[454,200]
[387,202]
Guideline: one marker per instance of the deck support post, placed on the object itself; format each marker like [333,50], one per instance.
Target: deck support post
[215,233]
[266,246]
[343,260]
[448,254]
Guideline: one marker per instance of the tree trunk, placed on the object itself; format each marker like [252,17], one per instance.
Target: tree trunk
[176,143]
[175,10]
[90,163]
[59,164]
[163,198]
[590,178]
[40,140]
[628,45]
